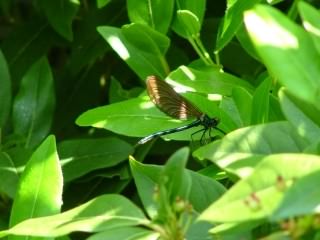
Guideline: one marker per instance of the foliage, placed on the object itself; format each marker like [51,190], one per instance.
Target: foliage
[73,106]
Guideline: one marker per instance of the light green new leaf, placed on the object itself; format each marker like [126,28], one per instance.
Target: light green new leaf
[141,52]
[40,187]
[81,156]
[5,91]
[156,14]
[99,214]
[60,15]
[34,104]
[303,116]
[232,20]
[9,175]
[241,150]
[287,51]
[258,196]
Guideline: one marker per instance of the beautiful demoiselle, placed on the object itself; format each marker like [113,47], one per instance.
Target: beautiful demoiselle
[178,107]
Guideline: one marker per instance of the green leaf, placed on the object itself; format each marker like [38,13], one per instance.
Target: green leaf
[9,175]
[140,52]
[127,233]
[175,179]
[99,214]
[40,186]
[5,91]
[260,102]
[102,3]
[287,51]
[34,104]
[81,156]
[60,15]
[310,20]
[194,10]
[243,101]
[204,190]
[155,14]
[302,115]
[189,24]
[207,80]
[258,196]
[232,20]
[303,196]
[26,44]
[240,150]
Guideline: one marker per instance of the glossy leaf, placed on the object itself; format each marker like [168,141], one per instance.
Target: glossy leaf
[114,211]
[9,175]
[156,14]
[189,23]
[40,186]
[60,15]
[281,40]
[5,91]
[301,115]
[310,19]
[194,8]
[81,156]
[141,53]
[240,150]
[259,195]
[147,177]
[127,233]
[260,102]
[232,21]
[26,44]
[34,104]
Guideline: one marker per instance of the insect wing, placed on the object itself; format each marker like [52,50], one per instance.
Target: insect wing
[169,101]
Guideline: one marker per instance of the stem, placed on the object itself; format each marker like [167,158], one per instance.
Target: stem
[203,50]
[197,49]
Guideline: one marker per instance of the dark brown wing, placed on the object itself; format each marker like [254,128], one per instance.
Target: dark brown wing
[169,101]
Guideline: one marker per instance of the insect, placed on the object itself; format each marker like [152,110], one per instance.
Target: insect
[178,107]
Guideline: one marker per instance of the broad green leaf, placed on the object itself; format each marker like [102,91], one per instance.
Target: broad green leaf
[158,42]
[196,8]
[259,195]
[303,116]
[127,233]
[303,196]
[117,93]
[40,186]
[34,104]
[9,175]
[260,102]
[204,190]
[102,3]
[310,20]
[243,101]
[240,150]
[287,51]
[207,80]
[80,156]
[235,230]
[136,117]
[244,40]
[26,44]
[60,15]
[232,20]
[5,91]
[175,179]
[156,14]
[189,24]
[99,214]
[140,52]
